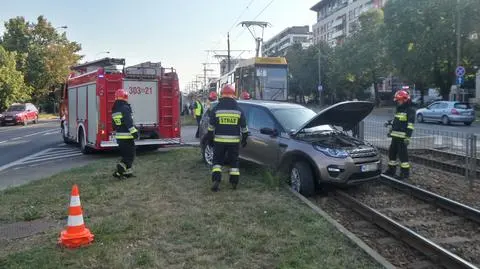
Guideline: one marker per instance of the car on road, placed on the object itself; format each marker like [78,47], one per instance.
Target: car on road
[20,114]
[447,112]
[311,148]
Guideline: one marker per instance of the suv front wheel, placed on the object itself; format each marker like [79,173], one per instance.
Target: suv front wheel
[207,153]
[301,179]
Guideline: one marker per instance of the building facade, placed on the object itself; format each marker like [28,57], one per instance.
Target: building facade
[278,45]
[337,19]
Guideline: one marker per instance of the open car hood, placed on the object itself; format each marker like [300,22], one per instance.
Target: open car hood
[344,114]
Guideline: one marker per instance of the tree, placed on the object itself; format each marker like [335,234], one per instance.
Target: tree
[44,55]
[12,85]
[370,57]
[421,39]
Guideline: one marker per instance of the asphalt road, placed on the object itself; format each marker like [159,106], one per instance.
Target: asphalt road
[17,141]
[37,151]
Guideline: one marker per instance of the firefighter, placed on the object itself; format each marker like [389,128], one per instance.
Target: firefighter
[227,129]
[245,95]
[212,97]
[401,131]
[198,111]
[125,133]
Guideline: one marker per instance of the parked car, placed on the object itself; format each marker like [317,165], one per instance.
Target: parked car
[447,112]
[20,114]
[311,148]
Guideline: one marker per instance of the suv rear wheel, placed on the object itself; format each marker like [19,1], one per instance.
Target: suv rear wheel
[301,179]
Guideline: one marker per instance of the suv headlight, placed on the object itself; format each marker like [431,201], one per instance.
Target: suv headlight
[335,153]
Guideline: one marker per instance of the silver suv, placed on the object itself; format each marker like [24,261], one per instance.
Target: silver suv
[311,148]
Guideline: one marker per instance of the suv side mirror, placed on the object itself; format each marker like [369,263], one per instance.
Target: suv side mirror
[269,131]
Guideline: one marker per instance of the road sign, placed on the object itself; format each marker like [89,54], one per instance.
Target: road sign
[320,88]
[459,80]
[460,71]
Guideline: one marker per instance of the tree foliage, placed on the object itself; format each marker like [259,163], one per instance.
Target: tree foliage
[414,40]
[43,55]
[12,85]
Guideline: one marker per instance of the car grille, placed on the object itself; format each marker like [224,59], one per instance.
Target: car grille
[363,153]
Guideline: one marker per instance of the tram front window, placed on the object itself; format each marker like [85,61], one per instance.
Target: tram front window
[272,82]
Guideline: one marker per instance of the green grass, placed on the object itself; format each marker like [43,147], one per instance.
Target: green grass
[47,116]
[167,217]
[188,120]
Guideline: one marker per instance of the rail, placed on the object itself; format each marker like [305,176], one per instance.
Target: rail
[434,251]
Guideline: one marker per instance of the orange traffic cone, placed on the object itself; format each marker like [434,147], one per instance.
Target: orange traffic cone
[76,234]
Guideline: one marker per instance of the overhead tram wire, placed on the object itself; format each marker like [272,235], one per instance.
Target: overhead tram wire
[258,15]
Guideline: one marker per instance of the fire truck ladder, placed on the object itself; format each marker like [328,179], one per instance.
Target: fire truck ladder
[106,63]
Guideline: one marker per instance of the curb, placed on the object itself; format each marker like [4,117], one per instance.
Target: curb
[357,241]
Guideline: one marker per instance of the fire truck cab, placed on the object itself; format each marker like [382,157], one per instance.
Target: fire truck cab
[89,94]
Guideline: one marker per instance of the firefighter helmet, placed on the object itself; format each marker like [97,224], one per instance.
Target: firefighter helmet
[212,96]
[245,95]
[121,94]
[228,91]
[401,96]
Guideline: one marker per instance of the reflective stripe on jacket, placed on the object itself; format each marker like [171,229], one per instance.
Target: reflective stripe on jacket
[403,122]
[227,121]
[122,120]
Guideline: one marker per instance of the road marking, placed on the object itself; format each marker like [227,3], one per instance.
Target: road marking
[10,128]
[44,156]
[19,161]
[49,131]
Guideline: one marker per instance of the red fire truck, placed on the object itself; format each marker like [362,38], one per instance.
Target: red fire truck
[89,95]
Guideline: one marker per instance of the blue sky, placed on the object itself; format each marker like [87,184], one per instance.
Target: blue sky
[176,33]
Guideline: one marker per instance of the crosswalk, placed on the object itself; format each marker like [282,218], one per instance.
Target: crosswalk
[49,155]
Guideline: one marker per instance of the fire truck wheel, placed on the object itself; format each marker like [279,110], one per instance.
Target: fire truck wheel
[83,144]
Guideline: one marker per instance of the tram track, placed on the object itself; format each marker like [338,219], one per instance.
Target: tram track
[425,229]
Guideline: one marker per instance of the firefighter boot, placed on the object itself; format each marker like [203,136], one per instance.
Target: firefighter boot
[129,173]
[216,178]
[391,171]
[234,177]
[121,169]
[404,173]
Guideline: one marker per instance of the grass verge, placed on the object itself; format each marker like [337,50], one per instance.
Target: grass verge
[167,217]
[46,116]
[187,120]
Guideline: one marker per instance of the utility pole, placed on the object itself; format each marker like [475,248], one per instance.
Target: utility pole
[458,30]
[228,47]
[205,73]
[320,86]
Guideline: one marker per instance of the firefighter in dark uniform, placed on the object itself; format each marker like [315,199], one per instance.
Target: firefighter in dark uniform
[401,131]
[198,112]
[227,129]
[125,133]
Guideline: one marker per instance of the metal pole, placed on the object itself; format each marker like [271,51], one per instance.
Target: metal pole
[458,44]
[320,93]
[228,57]
[458,33]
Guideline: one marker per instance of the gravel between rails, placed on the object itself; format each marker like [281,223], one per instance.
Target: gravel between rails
[450,185]
[456,234]
[396,252]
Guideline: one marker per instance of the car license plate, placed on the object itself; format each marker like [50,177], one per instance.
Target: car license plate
[369,167]
[8,118]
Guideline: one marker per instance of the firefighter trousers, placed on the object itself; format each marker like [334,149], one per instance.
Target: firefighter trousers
[226,154]
[398,148]
[127,153]
[198,118]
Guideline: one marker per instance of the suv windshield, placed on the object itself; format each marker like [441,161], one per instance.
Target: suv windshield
[16,108]
[293,118]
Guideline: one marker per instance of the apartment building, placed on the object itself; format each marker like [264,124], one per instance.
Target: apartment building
[337,19]
[278,45]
